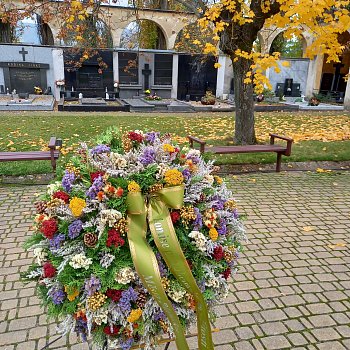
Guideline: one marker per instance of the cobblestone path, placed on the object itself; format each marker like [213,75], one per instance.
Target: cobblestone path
[292,291]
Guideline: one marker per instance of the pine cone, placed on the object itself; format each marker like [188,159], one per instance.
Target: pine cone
[54,203]
[164,326]
[141,299]
[40,206]
[228,255]
[90,239]
[121,226]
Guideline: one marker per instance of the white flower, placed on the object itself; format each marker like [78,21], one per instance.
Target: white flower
[199,240]
[52,188]
[110,216]
[125,275]
[177,295]
[118,160]
[116,84]
[209,179]
[162,168]
[80,261]
[40,255]
[140,132]
[192,153]
[100,317]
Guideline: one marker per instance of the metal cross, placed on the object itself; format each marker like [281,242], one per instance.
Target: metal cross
[23,53]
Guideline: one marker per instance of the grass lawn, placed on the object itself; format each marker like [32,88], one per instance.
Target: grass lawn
[317,135]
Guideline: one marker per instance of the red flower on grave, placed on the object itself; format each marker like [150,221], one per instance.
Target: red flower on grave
[49,228]
[175,216]
[61,195]
[227,273]
[95,175]
[114,239]
[114,331]
[218,253]
[114,294]
[49,270]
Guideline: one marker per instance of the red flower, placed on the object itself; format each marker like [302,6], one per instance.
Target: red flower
[95,175]
[115,330]
[49,228]
[61,195]
[114,294]
[134,136]
[49,270]
[119,192]
[227,273]
[218,253]
[175,216]
[114,238]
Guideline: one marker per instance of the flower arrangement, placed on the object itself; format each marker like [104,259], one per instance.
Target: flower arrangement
[208,99]
[38,90]
[147,92]
[153,97]
[87,268]
[60,82]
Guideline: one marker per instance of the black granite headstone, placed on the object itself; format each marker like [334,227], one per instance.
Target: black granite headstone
[24,79]
[146,73]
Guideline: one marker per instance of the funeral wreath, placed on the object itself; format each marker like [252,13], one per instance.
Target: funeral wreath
[137,240]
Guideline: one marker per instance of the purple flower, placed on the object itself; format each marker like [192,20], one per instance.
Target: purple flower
[218,203]
[186,174]
[96,187]
[57,295]
[159,316]
[92,285]
[235,214]
[222,229]
[198,222]
[162,268]
[127,344]
[100,149]
[68,180]
[151,136]
[75,228]
[148,156]
[81,328]
[128,296]
[195,158]
[56,242]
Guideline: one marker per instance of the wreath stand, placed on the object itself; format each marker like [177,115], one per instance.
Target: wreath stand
[140,346]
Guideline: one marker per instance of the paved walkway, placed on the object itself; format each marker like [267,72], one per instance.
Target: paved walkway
[292,292]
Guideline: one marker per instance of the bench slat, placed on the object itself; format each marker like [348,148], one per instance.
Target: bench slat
[30,155]
[245,149]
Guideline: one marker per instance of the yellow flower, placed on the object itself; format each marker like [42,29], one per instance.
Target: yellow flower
[173,177]
[134,187]
[134,315]
[77,205]
[213,234]
[72,293]
[168,148]
[218,179]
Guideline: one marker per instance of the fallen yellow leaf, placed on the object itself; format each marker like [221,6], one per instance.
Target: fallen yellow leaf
[308,228]
[333,246]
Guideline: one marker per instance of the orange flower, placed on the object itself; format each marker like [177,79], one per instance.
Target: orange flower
[119,192]
[100,196]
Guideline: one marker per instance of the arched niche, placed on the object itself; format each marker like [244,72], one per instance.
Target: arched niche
[288,47]
[143,34]
[93,31]
[29,30]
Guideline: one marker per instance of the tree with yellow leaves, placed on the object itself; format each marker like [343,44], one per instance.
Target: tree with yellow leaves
[236,24]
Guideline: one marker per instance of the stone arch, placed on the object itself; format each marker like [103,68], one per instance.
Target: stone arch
[29,30]
[300,44]
[134,35]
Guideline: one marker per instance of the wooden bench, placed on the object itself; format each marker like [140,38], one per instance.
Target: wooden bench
[51,155]
[272,147]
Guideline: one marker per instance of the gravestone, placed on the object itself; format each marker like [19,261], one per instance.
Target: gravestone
[146,73]
[23,76]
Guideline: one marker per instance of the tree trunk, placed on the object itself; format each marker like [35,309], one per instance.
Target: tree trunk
[244,121]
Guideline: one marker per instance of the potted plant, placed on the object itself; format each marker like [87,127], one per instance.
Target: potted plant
[208,99]
[314,101]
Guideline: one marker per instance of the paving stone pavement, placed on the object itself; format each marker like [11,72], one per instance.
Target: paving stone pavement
[293,288]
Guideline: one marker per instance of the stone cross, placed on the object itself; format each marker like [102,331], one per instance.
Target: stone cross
[146,72]
[23,53]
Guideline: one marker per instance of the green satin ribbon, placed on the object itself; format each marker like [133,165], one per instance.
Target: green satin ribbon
[168,245]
